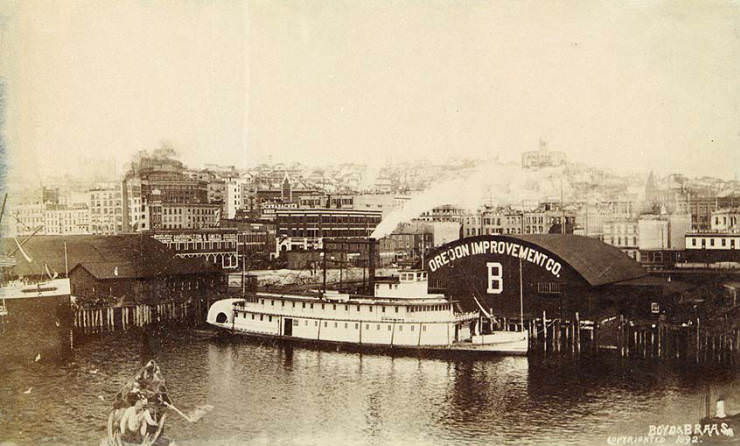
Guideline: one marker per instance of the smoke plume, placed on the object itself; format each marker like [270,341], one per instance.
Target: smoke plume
[490,182]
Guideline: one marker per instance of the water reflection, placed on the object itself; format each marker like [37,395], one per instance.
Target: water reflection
[267,394]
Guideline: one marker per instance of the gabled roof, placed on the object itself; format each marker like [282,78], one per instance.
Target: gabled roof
[150,256]
[597,262]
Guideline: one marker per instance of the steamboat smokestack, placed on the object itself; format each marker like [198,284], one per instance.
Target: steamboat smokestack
[371,264]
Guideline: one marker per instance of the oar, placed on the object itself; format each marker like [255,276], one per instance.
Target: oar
[196,415]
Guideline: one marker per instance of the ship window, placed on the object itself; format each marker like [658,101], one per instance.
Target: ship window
[282,303]
[315,323]
[378,326]
[346,308]
[345,325]
[325,325]
[412,328]
[335,325]
[334,306]
[311,305]
[270,320]
[423,328]
[272,303]
[383,308]
[396,309]
[358,308]
[262,316]
[371,308]
[322,306]
[252,316]
[306,324]
[293,304]
[303,304]
[262,301]
[400,328]
[389,328]
[295,323]
[367,326]
[357,326]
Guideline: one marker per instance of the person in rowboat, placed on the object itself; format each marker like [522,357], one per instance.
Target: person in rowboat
[136,421]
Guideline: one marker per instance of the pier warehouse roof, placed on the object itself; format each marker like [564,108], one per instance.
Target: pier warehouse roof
[560,274]
[135,255]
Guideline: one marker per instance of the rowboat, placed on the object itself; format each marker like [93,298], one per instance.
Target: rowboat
[144,396]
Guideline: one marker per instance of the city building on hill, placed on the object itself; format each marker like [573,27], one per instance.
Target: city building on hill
[543,158]
[184,215]
[379,202]
[663,231]
[106,210]
[304,229]
[623,234]
[66,220]
[27,218]
[445,212]
[725,219]
[590,218]
[505,220]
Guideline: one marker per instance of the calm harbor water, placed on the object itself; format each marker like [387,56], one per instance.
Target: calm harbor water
[272,394]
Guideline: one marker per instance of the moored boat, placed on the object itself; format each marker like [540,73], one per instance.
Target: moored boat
[401,315]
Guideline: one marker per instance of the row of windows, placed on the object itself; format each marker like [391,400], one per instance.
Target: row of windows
[333,306]
[297,322]
[723,242]
[417,308]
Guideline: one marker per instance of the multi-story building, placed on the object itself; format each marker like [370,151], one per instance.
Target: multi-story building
[185,216]
[66,220]
[306,228]
[27,217]
[725,219]
[232,199]
[255,239]
[663,231]
[590,218]
[625,235]
[379,202]
[505,220]
[106,210]
[218,246]
[445,212]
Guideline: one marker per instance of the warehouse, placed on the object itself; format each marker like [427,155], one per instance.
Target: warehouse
[559,274]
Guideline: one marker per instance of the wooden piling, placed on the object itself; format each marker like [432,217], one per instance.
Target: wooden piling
[544,332]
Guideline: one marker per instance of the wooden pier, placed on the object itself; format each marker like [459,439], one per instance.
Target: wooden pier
[93,321]
[696,341]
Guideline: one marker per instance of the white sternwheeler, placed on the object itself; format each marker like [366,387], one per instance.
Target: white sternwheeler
[401,315]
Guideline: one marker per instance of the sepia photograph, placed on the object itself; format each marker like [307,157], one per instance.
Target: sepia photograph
[369,222]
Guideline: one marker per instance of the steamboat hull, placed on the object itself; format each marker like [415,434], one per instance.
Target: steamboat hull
[517,347]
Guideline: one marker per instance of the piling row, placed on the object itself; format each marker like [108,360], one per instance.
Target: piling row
[628,339]
[89,321]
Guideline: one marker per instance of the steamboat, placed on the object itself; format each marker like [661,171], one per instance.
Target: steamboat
[400,315]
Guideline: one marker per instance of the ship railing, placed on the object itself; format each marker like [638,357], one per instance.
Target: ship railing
[466,316]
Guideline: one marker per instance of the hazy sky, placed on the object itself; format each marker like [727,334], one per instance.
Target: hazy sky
[630,85]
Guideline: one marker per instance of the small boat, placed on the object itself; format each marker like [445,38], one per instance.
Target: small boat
[145,397]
